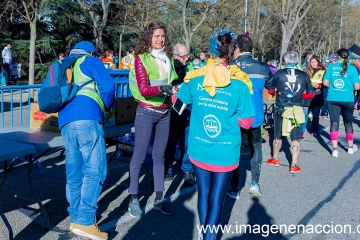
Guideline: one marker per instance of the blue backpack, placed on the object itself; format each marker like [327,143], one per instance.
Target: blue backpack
[58,90]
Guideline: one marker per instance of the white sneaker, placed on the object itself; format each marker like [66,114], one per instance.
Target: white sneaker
[335,153]
[352,150]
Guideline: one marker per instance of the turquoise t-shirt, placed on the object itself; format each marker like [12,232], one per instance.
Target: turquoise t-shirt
[214,135]
[341,87]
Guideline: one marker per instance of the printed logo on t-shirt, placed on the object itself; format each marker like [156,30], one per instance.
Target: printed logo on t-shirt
[212,125]
[199,87]
[339,83]
[291,83]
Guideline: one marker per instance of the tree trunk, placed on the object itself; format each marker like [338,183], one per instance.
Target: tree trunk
[120,45]
[101,44]
[284,41]
[32,55]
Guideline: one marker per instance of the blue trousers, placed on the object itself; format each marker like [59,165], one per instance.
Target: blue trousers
[212,188]
[86,168]
[186,165]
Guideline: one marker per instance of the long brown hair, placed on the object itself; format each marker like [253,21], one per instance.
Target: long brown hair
[144,43]
[309,68]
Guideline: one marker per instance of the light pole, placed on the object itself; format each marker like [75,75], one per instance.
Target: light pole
[246,10]
[341,18]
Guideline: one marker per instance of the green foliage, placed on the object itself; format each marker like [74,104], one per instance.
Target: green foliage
[41,70]
[63,23]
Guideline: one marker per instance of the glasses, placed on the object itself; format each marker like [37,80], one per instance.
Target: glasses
[183,57]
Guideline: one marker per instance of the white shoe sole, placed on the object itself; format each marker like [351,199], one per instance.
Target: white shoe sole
[139,216]
[254,192]
[80,233]
[353,150]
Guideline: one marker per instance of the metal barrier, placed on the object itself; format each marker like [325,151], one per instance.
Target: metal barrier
[121,79]
[14,99]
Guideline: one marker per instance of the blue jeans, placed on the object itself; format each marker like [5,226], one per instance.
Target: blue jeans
[86,168]
[186,165]
[303,125]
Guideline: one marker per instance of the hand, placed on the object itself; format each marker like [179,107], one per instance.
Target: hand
[175,90]
[167,90]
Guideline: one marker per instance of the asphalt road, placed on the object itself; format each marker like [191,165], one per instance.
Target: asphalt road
[322,201]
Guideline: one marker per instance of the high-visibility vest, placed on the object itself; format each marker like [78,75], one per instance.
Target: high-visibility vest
[91,89]
[127,62]
[153,74]
[318,76]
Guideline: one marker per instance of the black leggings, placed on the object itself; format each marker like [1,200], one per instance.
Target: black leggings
[294,134]
[346,109]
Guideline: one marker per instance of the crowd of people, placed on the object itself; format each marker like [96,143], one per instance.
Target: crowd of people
[222,95]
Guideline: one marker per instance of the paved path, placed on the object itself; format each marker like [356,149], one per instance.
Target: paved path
[323,198]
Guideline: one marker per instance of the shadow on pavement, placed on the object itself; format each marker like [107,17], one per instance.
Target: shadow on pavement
[159,226]
[258,225]
[306,219]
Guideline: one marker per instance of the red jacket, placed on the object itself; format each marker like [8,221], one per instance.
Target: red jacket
[144,87]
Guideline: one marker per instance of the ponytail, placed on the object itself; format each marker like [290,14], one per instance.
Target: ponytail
[227,48]
[344,67]
[344,54]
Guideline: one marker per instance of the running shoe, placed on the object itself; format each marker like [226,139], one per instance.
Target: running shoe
[335,153]
[163,207]
[134,208]
[168,177]
[295,169]
[352,150]
[274,162]
[234,194]
[255,189]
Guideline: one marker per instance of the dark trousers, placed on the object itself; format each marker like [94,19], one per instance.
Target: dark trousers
[254,137]
[178,124]
[212,188]
[346,110]
[176,133]
[316,116]
[145,121]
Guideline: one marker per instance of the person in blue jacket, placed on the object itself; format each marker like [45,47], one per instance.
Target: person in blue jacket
[81,123]
[260,76]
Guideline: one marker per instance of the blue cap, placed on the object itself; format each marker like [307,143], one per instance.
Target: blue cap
[214,42]
[87,47]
